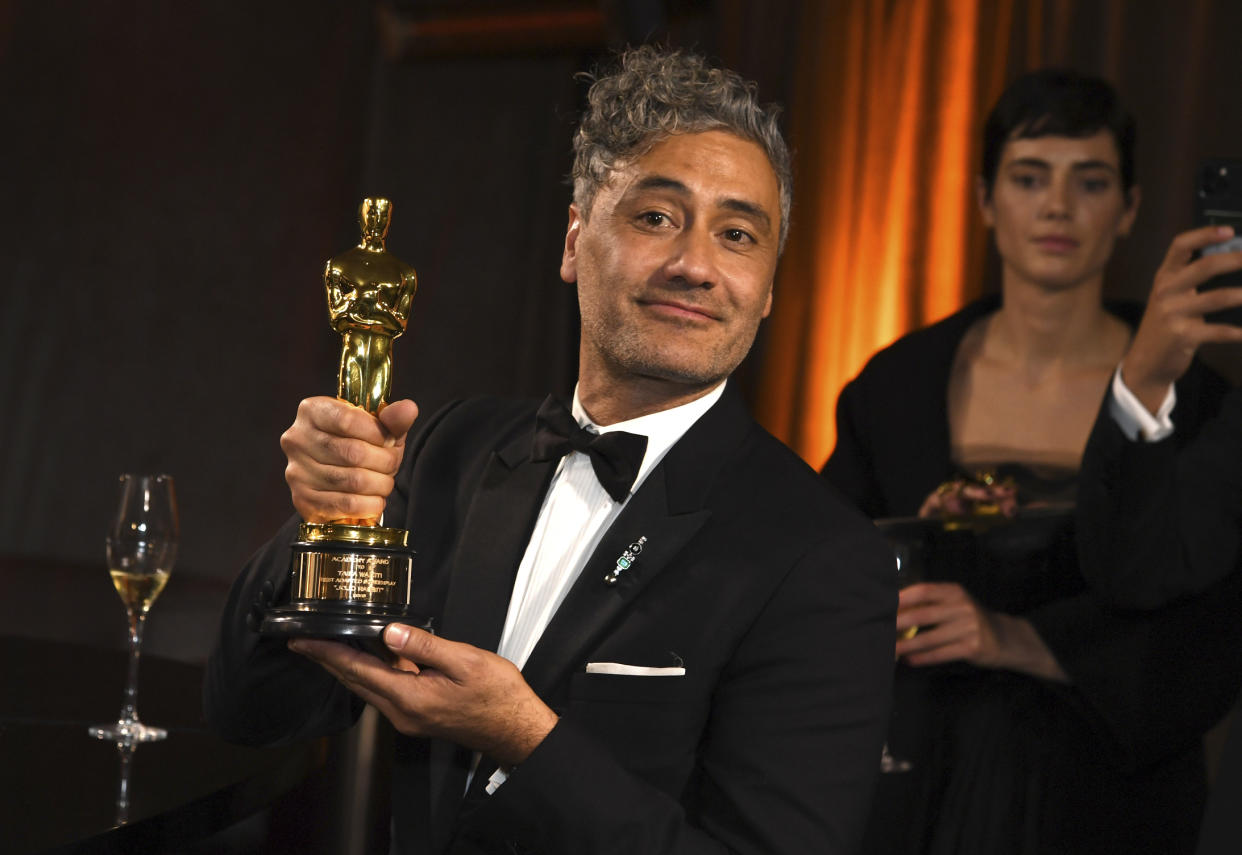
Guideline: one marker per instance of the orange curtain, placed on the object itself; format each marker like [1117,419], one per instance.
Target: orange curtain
[885,237]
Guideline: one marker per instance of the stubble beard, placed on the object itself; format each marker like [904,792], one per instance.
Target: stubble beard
[627,351]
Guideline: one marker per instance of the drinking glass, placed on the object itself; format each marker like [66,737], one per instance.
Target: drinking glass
[126,752]
[141,546]
[909,570]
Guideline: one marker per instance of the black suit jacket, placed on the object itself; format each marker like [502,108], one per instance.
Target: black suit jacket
[1162,523]
[775,596]
[1163,520]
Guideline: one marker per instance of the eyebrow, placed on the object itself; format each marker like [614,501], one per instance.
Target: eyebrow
[741,206]
[661,182]
[1079,166]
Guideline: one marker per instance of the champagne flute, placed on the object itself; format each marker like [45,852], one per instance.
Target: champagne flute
[141,546]
[908,557]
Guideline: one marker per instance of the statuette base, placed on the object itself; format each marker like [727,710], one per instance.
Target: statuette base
[345,589]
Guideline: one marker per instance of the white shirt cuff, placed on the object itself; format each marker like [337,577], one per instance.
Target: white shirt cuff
[1133,418]
[493,783]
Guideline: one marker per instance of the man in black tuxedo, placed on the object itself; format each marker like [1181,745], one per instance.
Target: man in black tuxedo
[1160,497]
[693,648]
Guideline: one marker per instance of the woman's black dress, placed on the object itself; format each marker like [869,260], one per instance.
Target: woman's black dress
[1005,763]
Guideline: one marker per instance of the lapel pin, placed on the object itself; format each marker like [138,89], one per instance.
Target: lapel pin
[626,561]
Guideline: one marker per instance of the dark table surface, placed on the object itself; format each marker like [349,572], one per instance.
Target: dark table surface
[60,785]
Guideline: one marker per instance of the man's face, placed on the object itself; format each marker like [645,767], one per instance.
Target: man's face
[674,261]
[1058,207]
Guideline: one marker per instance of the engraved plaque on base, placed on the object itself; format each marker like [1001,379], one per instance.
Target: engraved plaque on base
[350,578]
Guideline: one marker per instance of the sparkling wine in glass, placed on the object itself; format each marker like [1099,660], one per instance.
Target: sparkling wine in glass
[141,546]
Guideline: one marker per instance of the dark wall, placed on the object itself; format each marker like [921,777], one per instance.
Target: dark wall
[474,153]
[176,176]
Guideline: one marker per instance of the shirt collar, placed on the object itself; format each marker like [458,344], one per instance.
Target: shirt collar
[662,429]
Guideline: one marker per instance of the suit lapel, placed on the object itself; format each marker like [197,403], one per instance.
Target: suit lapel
[591,604]
[668,510]
[493,539]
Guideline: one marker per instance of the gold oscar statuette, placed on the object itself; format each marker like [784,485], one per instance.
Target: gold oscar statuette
[349,578]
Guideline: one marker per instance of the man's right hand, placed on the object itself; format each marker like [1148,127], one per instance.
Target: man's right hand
[1173,326]
[342,459]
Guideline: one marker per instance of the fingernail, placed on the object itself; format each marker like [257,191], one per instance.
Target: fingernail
[1224,231]
[396,635]
[296,646]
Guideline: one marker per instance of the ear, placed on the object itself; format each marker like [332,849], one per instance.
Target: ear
[1132,206]
[569,256]
[767,307]
[984,202]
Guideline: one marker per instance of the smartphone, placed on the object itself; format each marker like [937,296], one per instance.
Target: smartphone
[1218,202]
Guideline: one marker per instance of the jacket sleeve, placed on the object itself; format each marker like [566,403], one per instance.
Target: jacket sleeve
[790,754]
[1153,682]
[1156,649]
[256,691]
[1160,521]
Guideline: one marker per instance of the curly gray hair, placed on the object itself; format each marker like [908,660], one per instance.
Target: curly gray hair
[653,94]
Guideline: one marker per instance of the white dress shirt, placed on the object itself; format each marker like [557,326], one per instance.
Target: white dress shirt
[574,516]
[1133,418]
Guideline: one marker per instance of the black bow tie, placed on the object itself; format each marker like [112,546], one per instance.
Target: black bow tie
[615,456]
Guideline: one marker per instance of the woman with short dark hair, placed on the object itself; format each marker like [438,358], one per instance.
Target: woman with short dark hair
[1036,719]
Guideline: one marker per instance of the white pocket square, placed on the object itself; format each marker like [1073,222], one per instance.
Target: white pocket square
[633,670]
